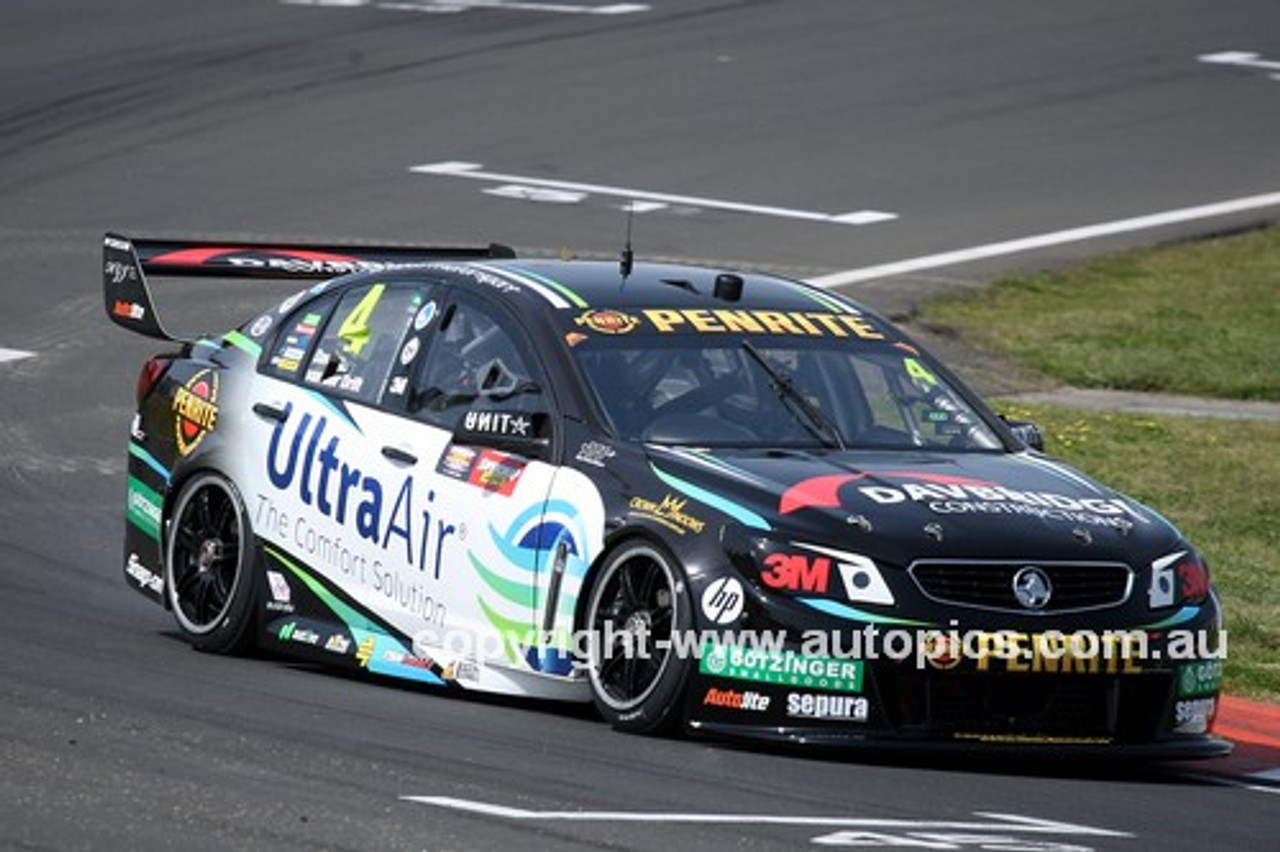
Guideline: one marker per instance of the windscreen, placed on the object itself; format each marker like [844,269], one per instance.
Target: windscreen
[764,391]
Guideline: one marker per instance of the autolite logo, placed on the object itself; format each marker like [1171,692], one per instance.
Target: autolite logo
[196,407]
[128,310]
[734,700]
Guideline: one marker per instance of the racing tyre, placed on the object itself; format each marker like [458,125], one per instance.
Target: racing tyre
[208,566]
[638,602]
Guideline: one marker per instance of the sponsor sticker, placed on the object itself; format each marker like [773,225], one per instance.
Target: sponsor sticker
[732,699]
[845,708]
[722,601]
[409,352]
[1193,717]
[424,316]
[281,594]
[128,310]
[260,325]
[595,453]
[457,461]
[608,321]
[195,407]
[496,472]
[144,577]
[783,668]
[142,508]
[669,512]
[502,423]
[1202,678]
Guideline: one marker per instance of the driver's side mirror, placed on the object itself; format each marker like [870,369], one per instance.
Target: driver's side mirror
[1028,432]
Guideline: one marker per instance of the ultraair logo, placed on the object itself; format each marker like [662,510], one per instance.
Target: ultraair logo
[314,465]
[195,406]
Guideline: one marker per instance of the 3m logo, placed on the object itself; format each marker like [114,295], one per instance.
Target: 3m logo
[795,572]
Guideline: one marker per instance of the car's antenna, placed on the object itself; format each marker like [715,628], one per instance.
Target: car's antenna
[628,256]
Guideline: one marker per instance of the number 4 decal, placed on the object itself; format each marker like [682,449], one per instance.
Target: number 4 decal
[354,331]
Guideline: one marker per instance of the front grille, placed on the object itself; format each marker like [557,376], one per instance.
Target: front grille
[1126,707]
[989,585]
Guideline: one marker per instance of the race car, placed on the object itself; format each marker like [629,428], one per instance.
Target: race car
[705,500]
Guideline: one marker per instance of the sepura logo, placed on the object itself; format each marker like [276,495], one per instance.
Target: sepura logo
[195,406]
[608,321]
[807,705]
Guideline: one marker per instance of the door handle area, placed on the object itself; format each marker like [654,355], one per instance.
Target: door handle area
[397,454]
[270,411]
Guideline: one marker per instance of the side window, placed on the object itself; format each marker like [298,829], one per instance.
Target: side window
[294,338]
[361,340]
[474,363]
[883,398]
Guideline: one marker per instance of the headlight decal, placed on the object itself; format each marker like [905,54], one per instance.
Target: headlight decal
[862,580]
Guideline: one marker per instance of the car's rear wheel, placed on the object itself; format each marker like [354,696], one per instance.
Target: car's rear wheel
[638,602]
[209,567]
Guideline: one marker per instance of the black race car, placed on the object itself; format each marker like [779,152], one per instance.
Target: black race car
[700,498]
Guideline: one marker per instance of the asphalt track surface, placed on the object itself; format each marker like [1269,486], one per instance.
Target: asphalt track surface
[973,123]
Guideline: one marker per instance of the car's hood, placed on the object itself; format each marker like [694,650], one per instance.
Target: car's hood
[902,506]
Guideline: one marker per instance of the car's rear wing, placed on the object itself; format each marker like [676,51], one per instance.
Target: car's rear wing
[127,262]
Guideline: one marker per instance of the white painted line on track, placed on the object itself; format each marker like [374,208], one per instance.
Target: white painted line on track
[997,821]
[1241,59]
[14,355]
[1268,775]
[570,191]
[442,6]
[1240,782]
[1072,235]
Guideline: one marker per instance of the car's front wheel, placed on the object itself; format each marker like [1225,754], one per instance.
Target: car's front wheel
[638,603]
[208,566]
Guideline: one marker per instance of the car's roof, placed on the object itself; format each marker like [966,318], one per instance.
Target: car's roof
[600,284]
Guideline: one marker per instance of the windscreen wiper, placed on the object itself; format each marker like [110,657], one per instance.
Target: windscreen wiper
[809,415]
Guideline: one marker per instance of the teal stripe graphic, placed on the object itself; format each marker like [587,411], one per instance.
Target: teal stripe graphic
[738,512]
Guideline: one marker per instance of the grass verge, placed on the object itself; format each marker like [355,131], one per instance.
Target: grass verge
[1200,319]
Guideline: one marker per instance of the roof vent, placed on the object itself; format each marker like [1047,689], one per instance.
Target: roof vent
[728,287]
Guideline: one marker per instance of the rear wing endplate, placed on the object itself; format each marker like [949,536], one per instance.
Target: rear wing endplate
[127,262]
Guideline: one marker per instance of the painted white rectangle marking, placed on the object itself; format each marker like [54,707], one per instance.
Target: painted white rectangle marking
[1072,235]
[465,5]
[518,186]
[14,355]
[996,821]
